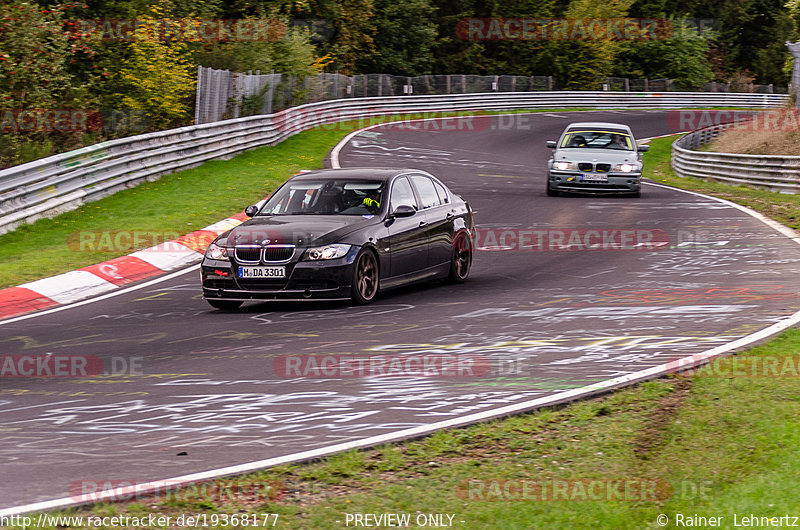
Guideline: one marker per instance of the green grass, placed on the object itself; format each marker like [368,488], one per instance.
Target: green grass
[782,207]
[713,446]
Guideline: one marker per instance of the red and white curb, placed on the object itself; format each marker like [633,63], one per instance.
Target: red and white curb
[104,277]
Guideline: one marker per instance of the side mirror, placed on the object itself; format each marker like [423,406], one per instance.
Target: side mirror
[643,148]
[551,144]
[404,210]
[251,211]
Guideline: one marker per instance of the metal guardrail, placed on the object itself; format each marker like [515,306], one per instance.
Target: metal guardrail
[773,172]
[53,185]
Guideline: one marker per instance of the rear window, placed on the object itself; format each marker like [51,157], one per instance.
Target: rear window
[402,194]
[426,190]
[441,192]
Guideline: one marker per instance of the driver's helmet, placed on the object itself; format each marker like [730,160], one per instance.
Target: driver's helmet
[577,141]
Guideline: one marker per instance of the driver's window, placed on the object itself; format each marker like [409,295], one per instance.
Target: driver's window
[402,194]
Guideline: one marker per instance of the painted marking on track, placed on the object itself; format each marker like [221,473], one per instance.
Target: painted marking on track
[501,176]
[151,297]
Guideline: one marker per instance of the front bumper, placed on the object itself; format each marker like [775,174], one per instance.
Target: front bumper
[329,280]
[574,181]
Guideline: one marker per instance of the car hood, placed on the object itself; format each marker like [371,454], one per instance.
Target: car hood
[596,155]
[299,230]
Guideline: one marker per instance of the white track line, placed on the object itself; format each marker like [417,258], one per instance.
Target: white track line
[649,373]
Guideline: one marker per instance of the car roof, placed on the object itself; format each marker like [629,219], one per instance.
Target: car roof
[597,125]
[371,173]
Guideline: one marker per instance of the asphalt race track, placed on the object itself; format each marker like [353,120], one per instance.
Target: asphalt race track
[195,389]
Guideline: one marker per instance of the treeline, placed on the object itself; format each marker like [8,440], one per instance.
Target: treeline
[64,57]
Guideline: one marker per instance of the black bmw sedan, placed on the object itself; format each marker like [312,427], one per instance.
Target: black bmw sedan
[341,233]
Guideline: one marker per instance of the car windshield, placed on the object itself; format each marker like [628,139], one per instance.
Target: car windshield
[326,197]
[597,139]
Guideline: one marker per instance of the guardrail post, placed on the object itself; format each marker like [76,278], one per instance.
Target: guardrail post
[271,91]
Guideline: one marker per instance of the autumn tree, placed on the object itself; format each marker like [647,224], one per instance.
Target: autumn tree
[158,77]
[582,64]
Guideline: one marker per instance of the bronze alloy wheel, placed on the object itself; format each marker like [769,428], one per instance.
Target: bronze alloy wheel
[462,258]
[365,278]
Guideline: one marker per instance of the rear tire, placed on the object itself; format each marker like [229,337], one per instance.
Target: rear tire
[364,287]
[225,305]
[461,262]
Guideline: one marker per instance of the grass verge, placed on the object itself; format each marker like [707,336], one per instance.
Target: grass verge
[782,207]
[708,445]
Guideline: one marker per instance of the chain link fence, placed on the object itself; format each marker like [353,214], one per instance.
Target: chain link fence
[222,94]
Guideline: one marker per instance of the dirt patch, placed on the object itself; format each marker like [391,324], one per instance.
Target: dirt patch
[757,142]
[652,435]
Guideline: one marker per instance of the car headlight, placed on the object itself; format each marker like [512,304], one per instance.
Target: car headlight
[334,251]
[215,251]
[625,168]
[563,166]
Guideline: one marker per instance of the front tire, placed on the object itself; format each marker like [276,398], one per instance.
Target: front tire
[364,287]
[225,305]
[551,192]
[461,262]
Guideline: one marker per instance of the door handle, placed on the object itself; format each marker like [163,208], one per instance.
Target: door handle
[449,216]
[422,223]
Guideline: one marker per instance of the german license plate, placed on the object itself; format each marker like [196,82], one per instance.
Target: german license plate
[262,272]
[589,177]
